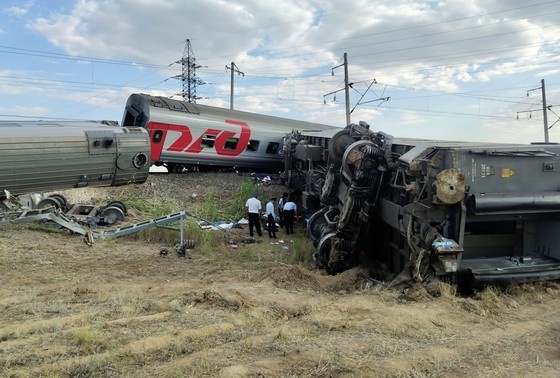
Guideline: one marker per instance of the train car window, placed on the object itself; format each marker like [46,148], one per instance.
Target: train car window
[208,141]
[231,143]
[156,138]
[128,120]
[131,119]
[253,145]
[272,147]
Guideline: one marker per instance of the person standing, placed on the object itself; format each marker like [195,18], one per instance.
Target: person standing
[254,211]
[271,218]
[281,203]
[290,215]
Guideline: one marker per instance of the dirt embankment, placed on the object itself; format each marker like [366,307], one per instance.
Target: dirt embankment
[119,309]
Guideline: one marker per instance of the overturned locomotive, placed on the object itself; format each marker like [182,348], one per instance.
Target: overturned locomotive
[471,213]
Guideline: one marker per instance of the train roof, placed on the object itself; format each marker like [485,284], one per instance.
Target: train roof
[464,144]
[328,134]
[145,103]
[42,123]
[20,129]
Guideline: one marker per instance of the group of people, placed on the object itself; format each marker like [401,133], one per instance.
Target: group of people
[287,214]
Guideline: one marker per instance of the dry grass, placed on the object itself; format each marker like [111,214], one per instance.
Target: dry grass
[120,309]
[237,309]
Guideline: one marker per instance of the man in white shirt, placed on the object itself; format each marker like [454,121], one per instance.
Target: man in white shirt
[271,218]
[254,211]
[290,215]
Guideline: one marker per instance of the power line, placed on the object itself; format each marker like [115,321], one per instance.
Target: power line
[447,113]
[397,30]
[53,55]
[146,64]
[108,61]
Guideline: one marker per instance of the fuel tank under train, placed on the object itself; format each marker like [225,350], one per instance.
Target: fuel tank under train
[471,213]
[38,156]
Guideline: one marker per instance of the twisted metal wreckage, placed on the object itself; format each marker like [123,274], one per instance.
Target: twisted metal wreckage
[41,156]
[469,213]
[54,210]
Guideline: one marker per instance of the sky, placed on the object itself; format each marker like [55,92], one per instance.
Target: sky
[448,69]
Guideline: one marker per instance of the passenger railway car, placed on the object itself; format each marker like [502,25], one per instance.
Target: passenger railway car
[37,156]
[470,213]
[187,135]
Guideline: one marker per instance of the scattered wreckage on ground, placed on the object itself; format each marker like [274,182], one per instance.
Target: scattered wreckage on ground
[467,213]
[54,210]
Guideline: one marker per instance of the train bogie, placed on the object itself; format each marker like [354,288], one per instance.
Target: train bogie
[467,212]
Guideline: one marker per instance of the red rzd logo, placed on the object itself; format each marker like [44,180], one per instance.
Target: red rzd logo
[185,142]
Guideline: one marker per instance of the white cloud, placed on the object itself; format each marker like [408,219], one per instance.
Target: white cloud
[415,51]
[26,111]
[19,11]
[16,11]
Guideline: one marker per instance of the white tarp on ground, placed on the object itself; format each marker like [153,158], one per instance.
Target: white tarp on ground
[219,225]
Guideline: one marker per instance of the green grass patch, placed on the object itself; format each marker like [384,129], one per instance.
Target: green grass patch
[89,340]
[219,207]
[133,200]
[214,245]
[302,251]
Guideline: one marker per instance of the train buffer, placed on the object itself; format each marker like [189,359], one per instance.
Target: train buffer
[54,215]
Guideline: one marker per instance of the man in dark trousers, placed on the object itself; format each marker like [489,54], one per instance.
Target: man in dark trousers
[290,215]
[254,211]
[271,218]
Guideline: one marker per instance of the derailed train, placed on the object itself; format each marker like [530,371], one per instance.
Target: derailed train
[467,213]
[184,135]
[41,156]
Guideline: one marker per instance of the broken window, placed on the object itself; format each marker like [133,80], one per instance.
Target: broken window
[208,141]
[231,143]
[272,147]
[253,145]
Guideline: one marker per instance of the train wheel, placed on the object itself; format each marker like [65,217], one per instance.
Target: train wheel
[323,253]
[315,226]
[48,202]
[61,199]
[338,144]
[120,205]
[112,215]
[352,157]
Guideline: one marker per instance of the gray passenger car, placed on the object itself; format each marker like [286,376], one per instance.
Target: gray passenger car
[38,156]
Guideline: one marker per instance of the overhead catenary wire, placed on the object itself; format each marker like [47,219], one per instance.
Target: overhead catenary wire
[134,63]
[299,78]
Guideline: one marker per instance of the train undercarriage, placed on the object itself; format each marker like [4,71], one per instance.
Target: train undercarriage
[466,213]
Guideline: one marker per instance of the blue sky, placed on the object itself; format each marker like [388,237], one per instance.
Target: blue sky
[450,70]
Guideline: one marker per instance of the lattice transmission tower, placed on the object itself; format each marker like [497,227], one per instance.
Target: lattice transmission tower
[188,74]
